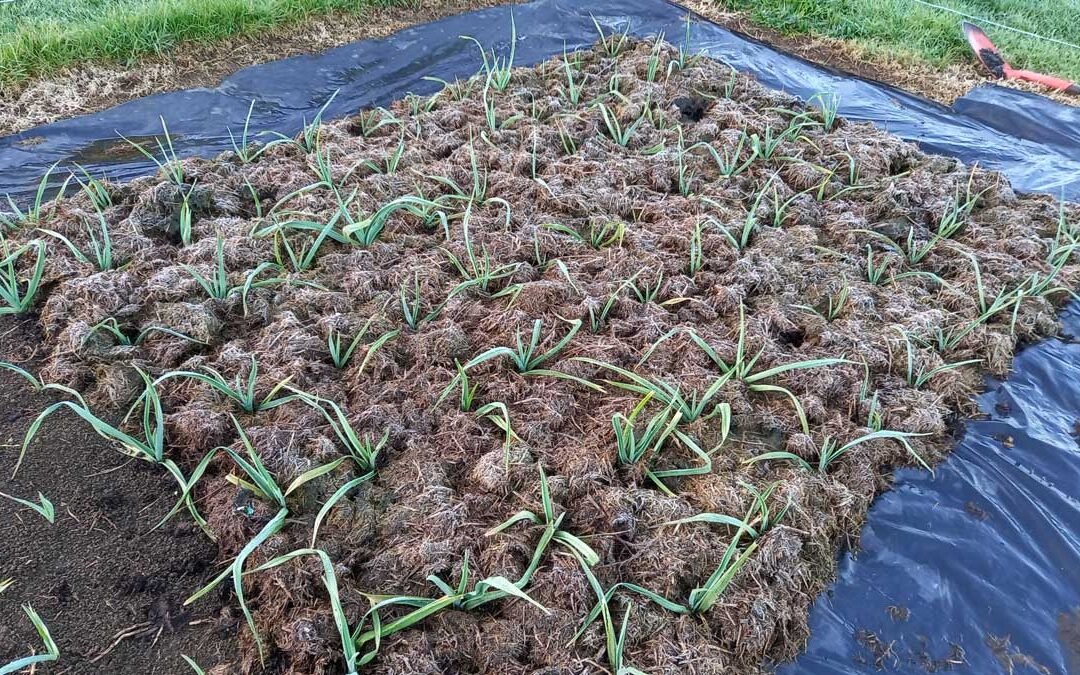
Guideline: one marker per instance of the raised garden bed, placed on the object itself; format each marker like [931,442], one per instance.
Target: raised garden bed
[690,325]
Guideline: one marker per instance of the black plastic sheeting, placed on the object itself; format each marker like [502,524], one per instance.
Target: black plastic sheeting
[980,560]
[983,556]
[1035,142]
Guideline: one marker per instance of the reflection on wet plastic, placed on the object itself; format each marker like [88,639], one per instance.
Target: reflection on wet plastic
[973,570]
[101,153]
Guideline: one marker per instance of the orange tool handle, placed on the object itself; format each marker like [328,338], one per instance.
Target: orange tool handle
[1050,81]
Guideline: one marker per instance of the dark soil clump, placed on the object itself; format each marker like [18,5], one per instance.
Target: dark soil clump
[673,219]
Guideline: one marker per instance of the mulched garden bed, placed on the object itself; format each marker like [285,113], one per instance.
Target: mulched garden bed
[810,302]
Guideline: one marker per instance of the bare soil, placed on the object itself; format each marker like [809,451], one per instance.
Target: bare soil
[108,588]
[820,201]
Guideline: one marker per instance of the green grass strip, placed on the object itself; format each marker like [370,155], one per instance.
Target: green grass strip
[38,37]
[904,28]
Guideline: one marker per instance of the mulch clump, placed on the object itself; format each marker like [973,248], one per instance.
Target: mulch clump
[611,211]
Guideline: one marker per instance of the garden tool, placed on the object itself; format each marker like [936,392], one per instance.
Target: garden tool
[991,58]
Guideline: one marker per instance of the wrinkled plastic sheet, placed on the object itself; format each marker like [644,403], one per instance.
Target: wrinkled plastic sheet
[980,559]
[966,570]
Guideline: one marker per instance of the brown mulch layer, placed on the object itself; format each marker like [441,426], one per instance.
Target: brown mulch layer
[822,203]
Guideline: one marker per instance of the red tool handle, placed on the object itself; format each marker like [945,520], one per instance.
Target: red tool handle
[1050,81]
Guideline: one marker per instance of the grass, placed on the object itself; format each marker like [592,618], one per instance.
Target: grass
[908,30]
[39,36]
